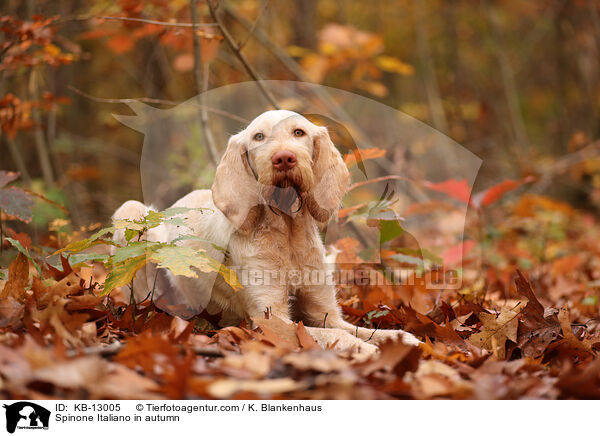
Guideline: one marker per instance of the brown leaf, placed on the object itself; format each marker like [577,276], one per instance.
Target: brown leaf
[18,278]
[577,383]
[395,357]
[497,329]
[319,360]
[535,331]
[225,388]
[306,341]
[584,345]
[11,312]
[278,332]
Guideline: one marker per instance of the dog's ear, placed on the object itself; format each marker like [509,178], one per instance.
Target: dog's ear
[235,190]
[331,178]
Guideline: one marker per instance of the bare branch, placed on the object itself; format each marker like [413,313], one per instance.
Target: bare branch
[156,101]
[212,5]
[18,159]
[201,86]
[38,135]
[263,8]
[159,23]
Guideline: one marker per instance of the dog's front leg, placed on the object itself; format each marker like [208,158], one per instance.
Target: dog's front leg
[319,308]
[258,300]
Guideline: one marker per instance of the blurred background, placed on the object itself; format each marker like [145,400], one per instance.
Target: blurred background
[515,82]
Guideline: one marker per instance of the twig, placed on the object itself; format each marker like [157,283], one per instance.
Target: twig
[209,140]
[159,23]
[563,163]
[38,134]
[18,159]
[263,8]
[438,117]
[509,86]
[155,101]
[279,53]
[114,348]
[212,5]
[372,334]
[208,351]
[103,350]
[376,180]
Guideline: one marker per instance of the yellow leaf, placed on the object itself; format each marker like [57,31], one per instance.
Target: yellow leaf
[296,51]
[51,49]
[123,273]
[394,65]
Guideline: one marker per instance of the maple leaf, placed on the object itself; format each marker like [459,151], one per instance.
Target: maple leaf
[536,331]
[497,329]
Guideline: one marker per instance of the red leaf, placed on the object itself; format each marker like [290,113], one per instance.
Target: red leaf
[496,192]
[454,188]
[453,255]
[120,44]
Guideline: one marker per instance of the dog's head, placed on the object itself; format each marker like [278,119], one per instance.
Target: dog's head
[280,160]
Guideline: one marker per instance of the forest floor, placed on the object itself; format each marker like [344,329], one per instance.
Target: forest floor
[503,335]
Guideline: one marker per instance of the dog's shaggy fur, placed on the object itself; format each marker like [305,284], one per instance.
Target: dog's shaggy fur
[269,219]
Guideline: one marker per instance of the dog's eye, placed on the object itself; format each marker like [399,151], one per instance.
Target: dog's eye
[299,132]
[259,137]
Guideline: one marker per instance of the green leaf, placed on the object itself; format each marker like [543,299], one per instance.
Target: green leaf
[134,249]
[130,224]
[83,258]
[123,273]
[25,252]
[375,314]
[182,260]
[199,239]
[591,300]
[130,234]
[390,229]
[176,221]
[153,219]
[77,246]
[411,260]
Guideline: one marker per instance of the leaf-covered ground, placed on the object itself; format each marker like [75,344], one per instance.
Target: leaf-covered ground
[503,335]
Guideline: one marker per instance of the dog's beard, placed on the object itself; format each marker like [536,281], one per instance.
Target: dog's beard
[285,192]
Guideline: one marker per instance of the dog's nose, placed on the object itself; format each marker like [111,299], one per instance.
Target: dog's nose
[284,160]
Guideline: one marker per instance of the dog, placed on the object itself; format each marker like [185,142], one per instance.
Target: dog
[279,181]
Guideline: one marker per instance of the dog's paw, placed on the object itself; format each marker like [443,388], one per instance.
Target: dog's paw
[381,336]
[363,350]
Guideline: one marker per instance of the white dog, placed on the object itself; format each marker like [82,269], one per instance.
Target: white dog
[279,179]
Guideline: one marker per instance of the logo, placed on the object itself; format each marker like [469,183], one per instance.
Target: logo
[26,415]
